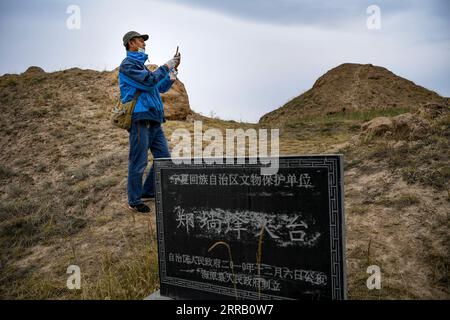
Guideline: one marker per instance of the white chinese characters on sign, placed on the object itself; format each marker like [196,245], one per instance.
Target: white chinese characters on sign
[246,274]
[302,180]
[285,229]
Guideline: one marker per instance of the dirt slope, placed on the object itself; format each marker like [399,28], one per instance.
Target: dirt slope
[353,87]
[63,180]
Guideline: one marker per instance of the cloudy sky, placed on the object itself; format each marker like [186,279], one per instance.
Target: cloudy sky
[240,58]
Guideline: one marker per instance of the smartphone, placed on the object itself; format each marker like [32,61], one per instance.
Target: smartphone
[176,54]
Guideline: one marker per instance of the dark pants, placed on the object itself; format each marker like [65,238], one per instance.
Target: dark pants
[144,135]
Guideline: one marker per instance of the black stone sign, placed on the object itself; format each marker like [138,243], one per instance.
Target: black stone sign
[225,231]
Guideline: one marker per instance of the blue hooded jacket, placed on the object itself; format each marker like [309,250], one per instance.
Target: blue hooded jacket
[133,75]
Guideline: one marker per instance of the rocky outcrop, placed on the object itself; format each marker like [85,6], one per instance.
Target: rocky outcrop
[406,125]
[176,101]
[33,70]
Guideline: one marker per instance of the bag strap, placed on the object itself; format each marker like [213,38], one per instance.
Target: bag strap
[135,98]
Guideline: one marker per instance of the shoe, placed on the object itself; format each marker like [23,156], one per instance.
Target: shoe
[141,208]
[147,197]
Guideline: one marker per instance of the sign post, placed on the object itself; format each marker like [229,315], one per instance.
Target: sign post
[225,231]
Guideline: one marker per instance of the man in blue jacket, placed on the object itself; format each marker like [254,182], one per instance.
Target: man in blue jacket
[135,80]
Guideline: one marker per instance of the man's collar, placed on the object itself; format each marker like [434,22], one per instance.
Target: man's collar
[139,56]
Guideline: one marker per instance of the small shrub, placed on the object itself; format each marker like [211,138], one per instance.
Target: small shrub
[6,172]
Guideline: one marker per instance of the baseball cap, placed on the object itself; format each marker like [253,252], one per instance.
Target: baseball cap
[133,34]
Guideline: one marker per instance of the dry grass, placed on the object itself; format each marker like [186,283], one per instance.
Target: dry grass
[63,180]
